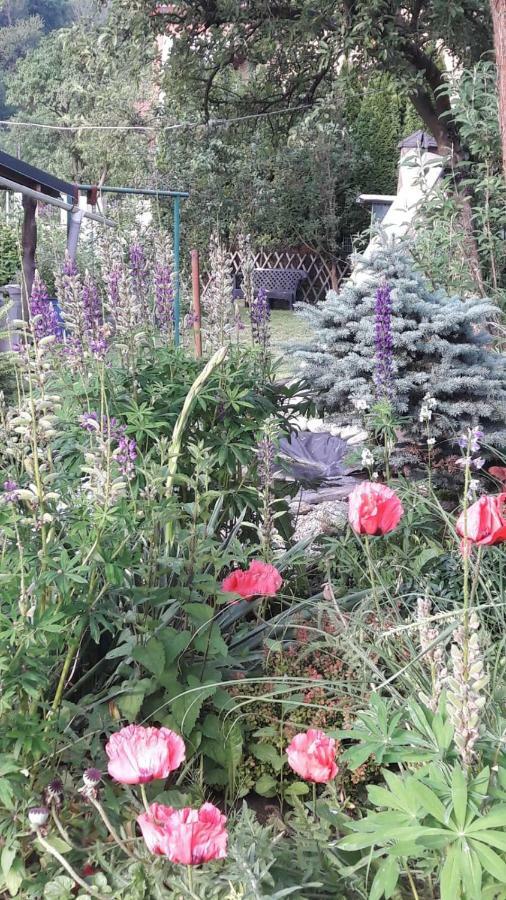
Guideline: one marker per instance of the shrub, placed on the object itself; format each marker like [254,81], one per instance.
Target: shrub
[441,346]
[10,261]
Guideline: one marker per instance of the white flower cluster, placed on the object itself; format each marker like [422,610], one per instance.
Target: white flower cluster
[30,425]
[367,458]
[427,408]
[433,653]
[466,697]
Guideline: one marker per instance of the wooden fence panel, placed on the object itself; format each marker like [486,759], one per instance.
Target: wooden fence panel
[319,277]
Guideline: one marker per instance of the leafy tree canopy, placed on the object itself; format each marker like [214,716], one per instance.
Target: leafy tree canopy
[86,74]
[288,52]
[52,13]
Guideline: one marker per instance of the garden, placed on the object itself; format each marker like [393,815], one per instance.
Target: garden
[252,560]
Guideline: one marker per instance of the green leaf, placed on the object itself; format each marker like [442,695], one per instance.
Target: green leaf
[198,613]
[267,753]
[471,872]
[297,789]
[210,642]
[6,794]
[459,796]
[174,643]
[425,557]
[427,799]
[385,880]
[54,841]
[14,877]
[359,841]
[173,798]
[212,727]
[380,796]
[493,838]
[151,656]
[266,786]
[494,819]
[8,857]
[491,861]
[60,888]
[357,755]
[130,702]
[451,875]
[186,709]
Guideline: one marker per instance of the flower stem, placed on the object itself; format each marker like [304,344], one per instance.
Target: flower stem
[60,828]
[72,648]
[370,566]
[412,885]
[68,868]
[110,828]
[189,872]
[476,575]
[144,798]
[467,472]
[314,800]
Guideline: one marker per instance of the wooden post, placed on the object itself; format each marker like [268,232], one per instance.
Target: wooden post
[334,281]
[28,246]
[196,303]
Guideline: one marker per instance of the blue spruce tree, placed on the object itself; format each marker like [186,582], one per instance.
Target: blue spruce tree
[441,345]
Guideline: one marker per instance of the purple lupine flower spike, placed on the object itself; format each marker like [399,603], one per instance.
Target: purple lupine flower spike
[10,494]
[125,455]
[92,304]
[138,269]
[164,297]
[112,280]
[383,341]
[42,311]
[69,266]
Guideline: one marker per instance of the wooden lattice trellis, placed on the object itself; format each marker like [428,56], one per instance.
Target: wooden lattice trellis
[319,276]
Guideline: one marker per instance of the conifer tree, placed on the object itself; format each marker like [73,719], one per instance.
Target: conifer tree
[441,345]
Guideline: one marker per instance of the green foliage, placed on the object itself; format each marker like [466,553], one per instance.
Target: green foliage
[286,186]
[232,57]
[22,24]
[90,73]
[379,116]
[441,346]
[442,246]
[436,820]
[10,262]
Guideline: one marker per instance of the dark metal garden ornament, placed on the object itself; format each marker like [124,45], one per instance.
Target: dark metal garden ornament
[314,459]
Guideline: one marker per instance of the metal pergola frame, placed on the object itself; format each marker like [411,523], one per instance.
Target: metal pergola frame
[176,197]
[35,185]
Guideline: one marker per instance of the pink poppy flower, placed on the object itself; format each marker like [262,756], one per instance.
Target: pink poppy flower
[486,522]
[137,754]
[313,756]
[498,472]
[259,580]
[374,508]
[186,836]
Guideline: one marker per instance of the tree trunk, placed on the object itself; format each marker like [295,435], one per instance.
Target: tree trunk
[498,8]
[28,244]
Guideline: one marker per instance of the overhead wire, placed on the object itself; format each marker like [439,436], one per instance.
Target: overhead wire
[211,123]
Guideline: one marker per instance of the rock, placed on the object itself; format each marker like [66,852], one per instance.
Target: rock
[328,517]
[353,434]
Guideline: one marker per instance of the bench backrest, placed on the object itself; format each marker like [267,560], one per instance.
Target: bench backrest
[282,280]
